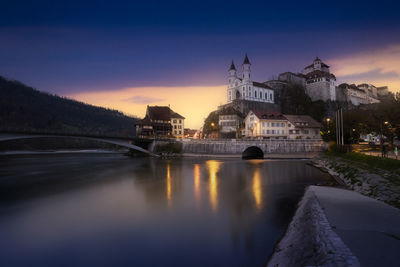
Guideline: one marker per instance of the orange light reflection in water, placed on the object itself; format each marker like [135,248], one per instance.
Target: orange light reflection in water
[213,168]
[196,182]
[169,193]
[257,190]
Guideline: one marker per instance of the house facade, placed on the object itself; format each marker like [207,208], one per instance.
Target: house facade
[160,121]
[274,125]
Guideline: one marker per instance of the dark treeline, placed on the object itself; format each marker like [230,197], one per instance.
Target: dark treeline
[26,109]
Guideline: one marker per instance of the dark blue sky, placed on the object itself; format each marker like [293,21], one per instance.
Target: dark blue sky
[75,46]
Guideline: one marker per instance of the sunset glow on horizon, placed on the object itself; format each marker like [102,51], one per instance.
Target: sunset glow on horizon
[192,102]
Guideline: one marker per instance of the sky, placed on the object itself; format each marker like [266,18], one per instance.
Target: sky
[127,55]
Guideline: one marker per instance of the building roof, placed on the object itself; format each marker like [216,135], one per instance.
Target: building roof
[262,85]
[246,60]
[268,115]
[232,66]
[303,121]
[176,115]
[162,113]
[317,59]
[318,74]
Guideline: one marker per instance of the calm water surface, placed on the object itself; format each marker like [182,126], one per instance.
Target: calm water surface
[111,210]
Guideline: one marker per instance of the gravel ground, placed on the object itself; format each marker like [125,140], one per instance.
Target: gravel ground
[373,182]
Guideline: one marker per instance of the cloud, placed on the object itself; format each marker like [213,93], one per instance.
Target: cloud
[379,67]
[139,99]
[372,75]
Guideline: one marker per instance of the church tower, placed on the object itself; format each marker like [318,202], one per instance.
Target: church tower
[232,74]
[246,69]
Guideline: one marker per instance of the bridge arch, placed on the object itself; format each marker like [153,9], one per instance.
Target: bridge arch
[117,142]
[253,152]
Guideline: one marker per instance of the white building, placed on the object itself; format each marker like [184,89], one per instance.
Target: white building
[267,125]
[246,89]
[320,83]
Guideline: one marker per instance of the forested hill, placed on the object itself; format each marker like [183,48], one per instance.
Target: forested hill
[26,109]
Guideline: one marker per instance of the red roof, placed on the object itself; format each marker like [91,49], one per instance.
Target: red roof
[268,115]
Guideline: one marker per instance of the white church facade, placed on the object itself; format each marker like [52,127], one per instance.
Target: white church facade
[244,88]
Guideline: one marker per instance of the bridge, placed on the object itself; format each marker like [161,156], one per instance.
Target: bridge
[119,141]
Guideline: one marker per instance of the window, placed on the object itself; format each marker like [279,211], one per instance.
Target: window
[180,132]
[263,131]
[282,124]
[266,95]
[263,124]
[180,121]
[174,132]
[267,131]
[272,124]
[251,118]
[179,126]
[255,94]
[174,126]
[289,125]
[174,121]
[267,124]
[283,131]
[260,94]
[273,131]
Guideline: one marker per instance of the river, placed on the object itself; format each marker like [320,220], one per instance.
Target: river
[112,210]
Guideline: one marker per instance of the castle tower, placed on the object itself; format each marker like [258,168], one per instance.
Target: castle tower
[246,69]
[232,73]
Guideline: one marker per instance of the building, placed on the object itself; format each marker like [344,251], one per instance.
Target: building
[361,94]
[160,121]
[303,127]
[261,124]
[267,125]
[229,122]
[177,123]
[320,83]
[243,88]
[382,91]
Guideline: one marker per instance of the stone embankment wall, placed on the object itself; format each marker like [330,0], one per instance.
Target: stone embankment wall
[238,146]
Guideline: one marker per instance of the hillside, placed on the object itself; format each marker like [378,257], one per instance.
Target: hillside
[23,108]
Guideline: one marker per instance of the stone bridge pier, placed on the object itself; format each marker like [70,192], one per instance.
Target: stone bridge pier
[236,147]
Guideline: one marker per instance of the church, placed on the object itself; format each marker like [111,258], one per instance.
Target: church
[243,88]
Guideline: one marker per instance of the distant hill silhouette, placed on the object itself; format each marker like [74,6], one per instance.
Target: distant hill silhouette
[25,109]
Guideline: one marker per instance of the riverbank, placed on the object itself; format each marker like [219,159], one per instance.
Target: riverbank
[338,227]
[371,180]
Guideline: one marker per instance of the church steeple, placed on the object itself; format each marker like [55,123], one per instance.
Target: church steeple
[232,66]
[246,60]
[246,69]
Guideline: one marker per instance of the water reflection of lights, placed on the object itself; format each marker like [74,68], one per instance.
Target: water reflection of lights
[169,193]
[213,167]
[197,181]
[257,191]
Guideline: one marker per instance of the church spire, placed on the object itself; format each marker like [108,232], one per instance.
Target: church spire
[246,60]
[232,66]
